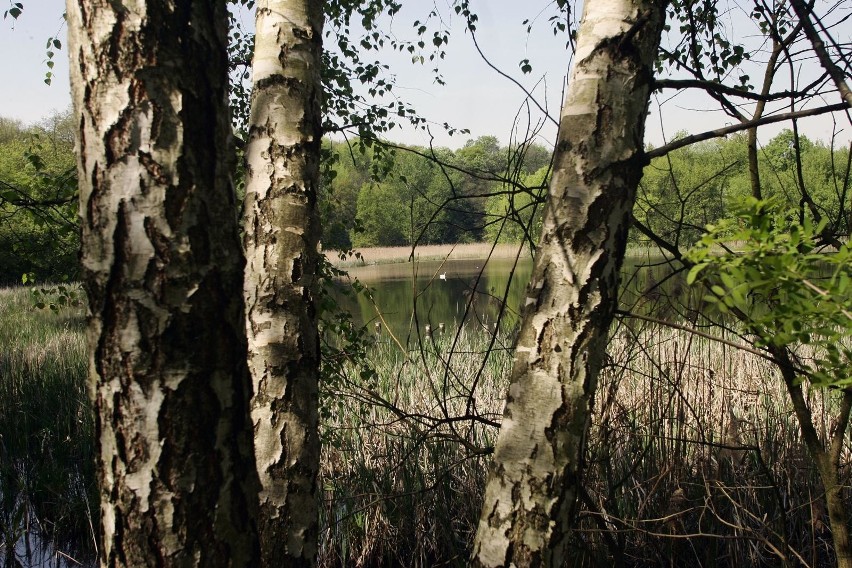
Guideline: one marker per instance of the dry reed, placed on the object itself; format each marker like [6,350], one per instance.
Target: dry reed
[694,458]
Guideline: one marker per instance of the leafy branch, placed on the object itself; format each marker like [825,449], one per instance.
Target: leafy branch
[770,277]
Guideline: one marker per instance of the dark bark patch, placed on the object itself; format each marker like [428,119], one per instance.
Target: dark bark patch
[296,273]
[199,238]
[544,341]
[277,80]
[120,445]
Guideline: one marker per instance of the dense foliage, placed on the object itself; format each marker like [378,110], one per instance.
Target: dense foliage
[683,192]
[386,195]
[395,196]
[485,191]
[38,207]
[790,290]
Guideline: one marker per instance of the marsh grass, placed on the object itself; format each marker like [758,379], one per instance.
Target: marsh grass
[46,438]
[694,457]
[388,255]
[402,467]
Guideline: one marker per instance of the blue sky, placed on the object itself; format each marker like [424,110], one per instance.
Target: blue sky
[23,94]
[475,97]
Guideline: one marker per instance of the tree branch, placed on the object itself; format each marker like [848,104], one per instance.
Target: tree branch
[721,89]
[833,70]
[720,132]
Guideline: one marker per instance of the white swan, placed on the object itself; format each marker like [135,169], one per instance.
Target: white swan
[443,276]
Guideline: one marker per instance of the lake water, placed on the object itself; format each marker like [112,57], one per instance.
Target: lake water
[406,297]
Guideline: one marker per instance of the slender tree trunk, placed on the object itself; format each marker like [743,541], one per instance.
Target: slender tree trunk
[838,518]
[282,232]
[533,484]
[826,454]
[163,272]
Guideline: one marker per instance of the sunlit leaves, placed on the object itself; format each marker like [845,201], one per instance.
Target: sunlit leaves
[768,267]
[51,47]
[39,232]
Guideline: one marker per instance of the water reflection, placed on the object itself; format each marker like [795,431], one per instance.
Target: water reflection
[407,297]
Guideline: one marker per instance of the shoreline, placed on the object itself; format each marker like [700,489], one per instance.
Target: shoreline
[372,256]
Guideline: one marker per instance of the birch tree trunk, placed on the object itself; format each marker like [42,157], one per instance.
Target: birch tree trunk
[282,232]
[533,483]
[163,267]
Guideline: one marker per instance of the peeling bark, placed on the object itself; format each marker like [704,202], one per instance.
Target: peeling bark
[534,481]
[162,266]
[282,232]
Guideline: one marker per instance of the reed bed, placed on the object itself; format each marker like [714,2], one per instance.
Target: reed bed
[404,464]
[466,251]
[47,489]
[694,457]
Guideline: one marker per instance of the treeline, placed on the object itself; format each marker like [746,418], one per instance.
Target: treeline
[486,192]
[683,192]
[384,195]
[375,195]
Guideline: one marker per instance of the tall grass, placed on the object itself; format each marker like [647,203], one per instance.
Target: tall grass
[47,486]
[694,457]
[386,255]
[403,466]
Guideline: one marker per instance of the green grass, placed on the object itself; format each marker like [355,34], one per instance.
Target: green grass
[47,486]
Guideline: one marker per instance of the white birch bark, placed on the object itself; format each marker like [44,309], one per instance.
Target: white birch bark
[162,266]
[532,487]
[281,239]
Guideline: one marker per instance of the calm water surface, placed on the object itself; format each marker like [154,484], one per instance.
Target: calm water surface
[407,297]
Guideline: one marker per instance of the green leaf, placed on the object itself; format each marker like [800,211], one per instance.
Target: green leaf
[737,295]
[694,272]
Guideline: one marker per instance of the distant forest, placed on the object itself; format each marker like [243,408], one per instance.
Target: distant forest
[377,194]
[485,191]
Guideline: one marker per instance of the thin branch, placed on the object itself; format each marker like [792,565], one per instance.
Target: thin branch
[836,72]
[720,132]
[721,89]
[513,80]
[699,333]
